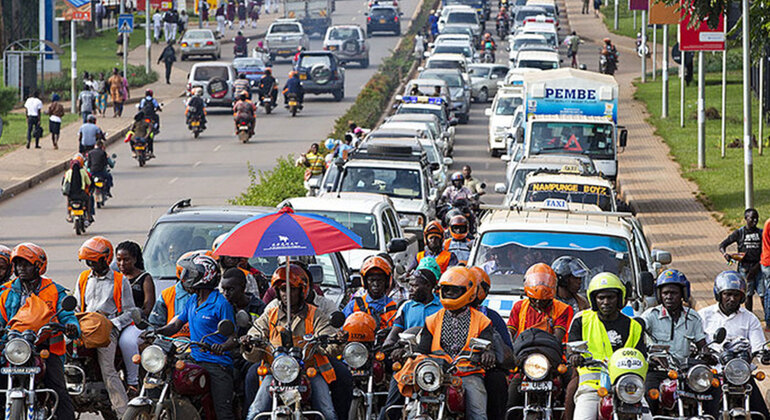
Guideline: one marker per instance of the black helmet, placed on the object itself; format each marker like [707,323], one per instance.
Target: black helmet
[199,272]
[568,266]
[241,75]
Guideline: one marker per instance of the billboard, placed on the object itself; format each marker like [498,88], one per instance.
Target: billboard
[155,4]
[662,14]
[700,37]
[73,9]
[637,4]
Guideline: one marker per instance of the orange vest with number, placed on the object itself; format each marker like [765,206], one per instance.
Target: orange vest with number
[169,298]
[442,259]
[321,361]
[434,323]
[117,289]
[50,294]
[546,324]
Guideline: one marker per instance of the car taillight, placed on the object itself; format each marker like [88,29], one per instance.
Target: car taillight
[189,87]
[368,18]
[184,44]
[209,42]
[325,48]
[395,18]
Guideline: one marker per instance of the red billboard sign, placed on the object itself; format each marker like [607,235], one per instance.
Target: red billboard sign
[637,4]
[700,37]
[155,4]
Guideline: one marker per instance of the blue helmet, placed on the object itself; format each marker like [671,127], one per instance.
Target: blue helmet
[729,280]
[672,276]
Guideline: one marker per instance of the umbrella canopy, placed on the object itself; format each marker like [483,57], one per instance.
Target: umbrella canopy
[286,233]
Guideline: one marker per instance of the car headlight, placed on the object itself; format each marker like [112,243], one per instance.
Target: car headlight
[630,388]
[428,376]
[153,359]
[355,355]
[18,351]
[536,366]
[285,369]
[699,378]
[737,371]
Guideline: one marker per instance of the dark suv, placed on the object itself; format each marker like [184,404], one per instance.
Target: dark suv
[383,19]
[320,72]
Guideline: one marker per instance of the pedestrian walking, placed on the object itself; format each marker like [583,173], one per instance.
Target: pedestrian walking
[157,23]
[124,91]
[572,42]
[230,13]
[220,16]
[34,106]
[101,94]
[168,56]
[203,12]
[99,13]
[597,5]
[115,83]
[586,7]
[86,102]
[183,19]
[433,20]
[253,14]
[419,46]
[748,239]
[119,42]
[55,111]
[242,14]
[167,20]
[764,263]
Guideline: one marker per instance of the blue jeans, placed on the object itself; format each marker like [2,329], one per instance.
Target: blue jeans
[320,396]
[475,397]
[764,279]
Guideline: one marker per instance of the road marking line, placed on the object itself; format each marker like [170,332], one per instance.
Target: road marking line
[196,164]
[219,146]
[353,19]
[173,180]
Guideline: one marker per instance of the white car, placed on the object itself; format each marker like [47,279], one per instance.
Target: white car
[430,128]
[516,172]
[451,37]
[501,115]
[548,30]
[542,60]
[462,17]
[447,61]
[568,191]
[516,42]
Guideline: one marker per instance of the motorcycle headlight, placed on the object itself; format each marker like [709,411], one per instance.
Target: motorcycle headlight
[18,351]
[285,369]
[699,378]
[630,388]
[153,359]
[428,376]
[737,371]
[355,355]
[536,366]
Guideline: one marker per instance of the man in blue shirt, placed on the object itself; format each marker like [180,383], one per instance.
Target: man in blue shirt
[203,312]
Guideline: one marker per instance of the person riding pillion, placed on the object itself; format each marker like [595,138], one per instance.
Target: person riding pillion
[196,107]
[434,236]
[174,298]
[459,244]
[540,309]
[377,276]
[268,86]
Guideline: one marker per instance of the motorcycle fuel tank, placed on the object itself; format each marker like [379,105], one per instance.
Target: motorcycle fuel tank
[191,380]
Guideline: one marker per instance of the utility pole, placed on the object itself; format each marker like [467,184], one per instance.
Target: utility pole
[125,41]
[654,51]
[615,21]
[761,103]
[701,113]
[664,90]
[748,158]
[147,40]
[724,91]
[73,68]
[643,45]
[681,81]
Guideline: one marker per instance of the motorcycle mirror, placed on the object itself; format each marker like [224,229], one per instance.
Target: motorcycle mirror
[719,335]
[114,156]
[225,327]
[577,347]
[243,319]
[337,319]
[69,303]
[408,337]
[136,315]
[480,344]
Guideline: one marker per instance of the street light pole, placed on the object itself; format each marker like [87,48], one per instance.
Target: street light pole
[643,28]
[748,158]
[701,113]
[664,99]
[147,40]
[615,21]
[73,68]
[125,42]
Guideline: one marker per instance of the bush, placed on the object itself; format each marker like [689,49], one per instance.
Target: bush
[136,77]
[268,188]
[8,98]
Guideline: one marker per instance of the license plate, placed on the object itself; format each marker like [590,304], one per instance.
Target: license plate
[536,386]
[382,21]
[138,147]
[20,370]
[197,44]
[332,47]
[195,123]
[303,77]
[243,128]
[99,184]
[293,103]
[77,212]
[284,51]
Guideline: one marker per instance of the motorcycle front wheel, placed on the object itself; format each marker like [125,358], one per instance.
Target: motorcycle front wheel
[357,409]
[138,413]
[18,409]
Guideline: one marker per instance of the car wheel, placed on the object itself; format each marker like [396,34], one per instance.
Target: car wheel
[339,94]
[182,57]
[365,63]
[398,31]
[464,118]
[483,96]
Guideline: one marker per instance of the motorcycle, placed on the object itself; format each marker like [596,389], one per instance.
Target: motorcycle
[100,195]
[184,386]
[736,371]
[77,214]
[365,360]
[488,56]
[244,130]
[266,102]
[141,154]
[241,51]
[24,367]
[608,65]
[641,51]
[502,27]
[290,389]
[293,104]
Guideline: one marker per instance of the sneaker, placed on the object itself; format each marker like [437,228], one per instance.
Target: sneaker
[69,219]
[86,223]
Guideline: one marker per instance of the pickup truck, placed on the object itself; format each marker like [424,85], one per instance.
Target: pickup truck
[314,15]
[283,38]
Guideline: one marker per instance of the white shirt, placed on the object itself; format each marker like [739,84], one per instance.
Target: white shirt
[157,19]
[742,323]
[33,105]
[99,297]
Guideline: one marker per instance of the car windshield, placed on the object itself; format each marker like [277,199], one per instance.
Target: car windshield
[171,240]
[206,73]
[453,49]
[506,105]
[417,110]
[597,195]
[393,182]
[550,38]
[479,71]
[198,35]
[452,80]
[462,17]
[471,3]
[591,139]
[537,64]
[383,13]
[525,13]
[506,256]
[309,61]
[362,224]
[248,62]
[444,64]
[458,30]
[342,34]
[285,28]
[430,151]
[521,42]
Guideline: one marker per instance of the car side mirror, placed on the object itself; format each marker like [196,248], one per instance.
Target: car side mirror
[397,245]
[355,281]
[488,112]
[623,140]
[337,319]
[453,122]
[366,13]
[316,272]
[647,284]
[660,256]
[448,161]
[426,54]
[500,187]
[420,69]
[69,303]
[519,135]
[434,166]
[583,67]
[494,76]
[505,158]
[243,319]
[225,327]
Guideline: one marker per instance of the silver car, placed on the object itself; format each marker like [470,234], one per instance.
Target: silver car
[484,79]
[348,43]
[199,42]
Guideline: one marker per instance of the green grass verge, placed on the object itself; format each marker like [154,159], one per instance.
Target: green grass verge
[721,184]
[99,53]
[15,131]
[626,23]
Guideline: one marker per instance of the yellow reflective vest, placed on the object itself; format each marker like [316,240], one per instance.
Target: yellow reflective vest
[599,345]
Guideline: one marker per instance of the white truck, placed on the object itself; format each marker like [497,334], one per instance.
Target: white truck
[315,15]
[570,111]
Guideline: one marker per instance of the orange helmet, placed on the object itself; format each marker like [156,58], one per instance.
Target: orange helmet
[79,159]
[483,282]
[458,227]
[95,249]
[433,228]
[376,262]
[189,254]
[360,327]
[458,276]
[32,253]
[540,282]
[5,254]
[297,278]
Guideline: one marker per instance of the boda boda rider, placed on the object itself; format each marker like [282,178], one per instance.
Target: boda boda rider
[242,86]
[412,313]
[671,323]
[459,244]
[268,85]
[196,107]
[173,299]
[570,272]
[605,329]
[244,109]
[5,265]
[306,319]
[293,86]
[456,190]
[141,130]
[29,263]
[100,289]
[448,332]
[202,313]
[730,292]
[434,236]
[377,277]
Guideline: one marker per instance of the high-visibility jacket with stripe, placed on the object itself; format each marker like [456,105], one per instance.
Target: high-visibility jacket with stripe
[117,289]
[385,317]
[434,323]
[49,293]
[442,259]
[599,345]
[169,298]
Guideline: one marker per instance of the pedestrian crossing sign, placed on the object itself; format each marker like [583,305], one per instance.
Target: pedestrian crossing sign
[126,23]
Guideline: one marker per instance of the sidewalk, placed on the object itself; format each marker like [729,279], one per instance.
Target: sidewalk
[24,168]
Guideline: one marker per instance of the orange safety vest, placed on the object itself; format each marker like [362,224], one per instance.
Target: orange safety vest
[117,289]
[169,298]
[442,259]
[50,294]
[321,361]
[546,324]
[479,322]
[386,317]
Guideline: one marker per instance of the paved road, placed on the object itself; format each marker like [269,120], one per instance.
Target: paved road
[210,170]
